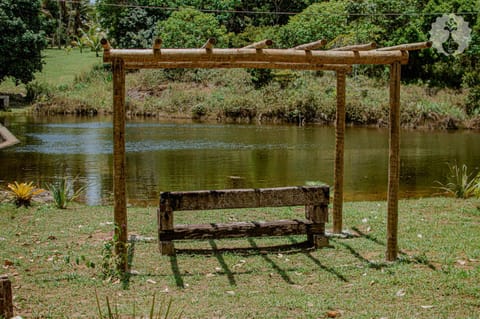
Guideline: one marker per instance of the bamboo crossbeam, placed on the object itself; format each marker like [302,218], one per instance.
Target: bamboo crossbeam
[260,45]
[140,56]
[311,46]
[209,44]
[357,47]
[236,65]
[408,47]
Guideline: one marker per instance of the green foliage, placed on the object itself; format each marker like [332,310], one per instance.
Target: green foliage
[460,183]
[38,91]
[22,193]
[22,40]
[190,28]
[63,192]
[325,20]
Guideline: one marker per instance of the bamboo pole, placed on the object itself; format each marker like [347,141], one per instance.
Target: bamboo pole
[157,45]
[357,47]
[394,163]
[209,44]
[119,163]
[253,55]
[339,154]
[260,45]
[311,46]
[233,65]
[408,47]
[6,300]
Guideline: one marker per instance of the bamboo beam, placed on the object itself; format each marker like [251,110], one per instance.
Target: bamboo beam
[394,163]
[408,47]
[209,44]
[357,47]
[140,56]
[119,164]
[260,45]
[339,154]
[234,65]
[311,46]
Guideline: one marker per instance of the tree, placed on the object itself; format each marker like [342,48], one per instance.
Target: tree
[190,28]
[22,39]
[326,20]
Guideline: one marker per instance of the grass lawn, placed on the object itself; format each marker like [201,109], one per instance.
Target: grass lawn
[60,68]
[54,259]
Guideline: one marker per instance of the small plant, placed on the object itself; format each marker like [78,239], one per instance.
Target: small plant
[23,193]
[63,192]
[163,310]
[460,183]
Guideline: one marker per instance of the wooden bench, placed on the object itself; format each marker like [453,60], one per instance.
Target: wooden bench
[314,198]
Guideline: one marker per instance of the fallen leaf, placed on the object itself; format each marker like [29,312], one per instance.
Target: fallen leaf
[420,236]
[461,262]
[151,281]
[218,269]
[401,293]
[230,292]
[51,237]
[333,314]
[8,263]
[427,307]
[365,220]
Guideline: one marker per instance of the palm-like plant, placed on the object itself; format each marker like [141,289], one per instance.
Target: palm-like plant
[63,192]
[460,183]
[22,193]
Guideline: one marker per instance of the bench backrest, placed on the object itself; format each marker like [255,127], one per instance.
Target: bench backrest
[245,198]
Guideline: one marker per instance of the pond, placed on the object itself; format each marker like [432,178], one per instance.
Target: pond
[168,156]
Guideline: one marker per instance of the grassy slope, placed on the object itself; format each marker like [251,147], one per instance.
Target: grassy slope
[61,66]
[436,277]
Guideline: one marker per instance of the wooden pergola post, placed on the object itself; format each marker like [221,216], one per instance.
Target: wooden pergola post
[339,152]
[6,299]
[394,162]
[119,163]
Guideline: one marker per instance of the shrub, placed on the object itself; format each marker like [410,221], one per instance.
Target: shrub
[63,192]
[23,193]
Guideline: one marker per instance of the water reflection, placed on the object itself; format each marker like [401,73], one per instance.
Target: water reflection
[189,156]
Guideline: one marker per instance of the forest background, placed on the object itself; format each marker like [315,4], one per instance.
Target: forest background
[445,91]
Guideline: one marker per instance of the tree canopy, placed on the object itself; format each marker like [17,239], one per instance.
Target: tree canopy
[22,39]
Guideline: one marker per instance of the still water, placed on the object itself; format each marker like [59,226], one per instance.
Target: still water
[165,156]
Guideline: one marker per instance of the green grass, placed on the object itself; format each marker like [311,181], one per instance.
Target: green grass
[61,66]
[50,253]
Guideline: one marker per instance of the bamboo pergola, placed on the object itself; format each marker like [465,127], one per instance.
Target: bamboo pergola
[260,56]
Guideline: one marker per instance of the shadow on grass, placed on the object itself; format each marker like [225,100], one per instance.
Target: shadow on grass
[222,262]
[176,272]
[404,257]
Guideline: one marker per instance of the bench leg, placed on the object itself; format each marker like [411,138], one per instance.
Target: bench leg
[165,226]
[318,215]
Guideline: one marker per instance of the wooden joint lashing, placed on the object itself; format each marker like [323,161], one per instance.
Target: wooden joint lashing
[260,45]
[312,45]
[209,44]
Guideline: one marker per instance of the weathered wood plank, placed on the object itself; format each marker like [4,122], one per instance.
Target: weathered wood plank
[241,229]
[245,198]
[6,300]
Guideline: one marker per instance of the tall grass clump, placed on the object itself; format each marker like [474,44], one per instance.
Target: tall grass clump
[63,192]
[460,183]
